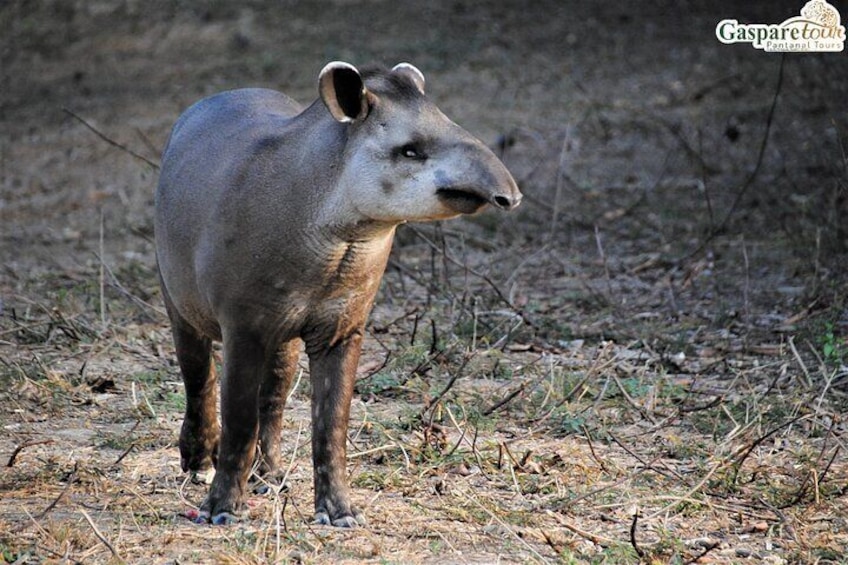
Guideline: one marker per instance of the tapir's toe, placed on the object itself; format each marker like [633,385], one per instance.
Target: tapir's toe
[197,516]
[343,521]
[219,519]
[349,521]
[262,488]
[225,519]
[203,477]
[269,482]
[221,511]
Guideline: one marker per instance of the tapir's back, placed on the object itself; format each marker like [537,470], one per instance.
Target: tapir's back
[211,147]
[217,132]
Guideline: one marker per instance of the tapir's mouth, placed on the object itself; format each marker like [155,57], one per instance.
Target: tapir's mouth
[461,200]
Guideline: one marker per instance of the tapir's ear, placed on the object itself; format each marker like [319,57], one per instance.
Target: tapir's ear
[343,91]
[412,72]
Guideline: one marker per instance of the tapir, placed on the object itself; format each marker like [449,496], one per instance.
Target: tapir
[273,227]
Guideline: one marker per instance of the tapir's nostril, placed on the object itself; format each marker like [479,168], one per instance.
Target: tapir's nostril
[504,202]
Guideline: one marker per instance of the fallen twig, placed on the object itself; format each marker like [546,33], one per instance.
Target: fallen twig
[99,535]
[742,455]
[707,549]
[596,539]
[754,173]
[501,296]
[110,141]
[71,478]
[642,461]
[639,551]
[455,377]
[124,454]
[23,446]
[497,405]
[506,526]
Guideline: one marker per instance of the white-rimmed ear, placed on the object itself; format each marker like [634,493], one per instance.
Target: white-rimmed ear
[413,73]
[343,92]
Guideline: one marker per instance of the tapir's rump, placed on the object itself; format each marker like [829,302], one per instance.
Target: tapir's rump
[273,228]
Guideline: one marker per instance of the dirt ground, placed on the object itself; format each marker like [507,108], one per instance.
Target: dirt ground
[645,363]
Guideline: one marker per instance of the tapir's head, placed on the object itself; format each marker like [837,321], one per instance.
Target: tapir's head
[404,159]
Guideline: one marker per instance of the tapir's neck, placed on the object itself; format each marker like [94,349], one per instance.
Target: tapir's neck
[333,212]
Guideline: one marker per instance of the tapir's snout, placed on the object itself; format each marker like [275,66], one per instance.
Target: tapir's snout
[509,198]
[484,180]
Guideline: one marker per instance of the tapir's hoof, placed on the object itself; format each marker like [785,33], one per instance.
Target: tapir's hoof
[323,519]
[203,517]
[225,519]
[263,488]
[197,516]
[268,483]
[203,477]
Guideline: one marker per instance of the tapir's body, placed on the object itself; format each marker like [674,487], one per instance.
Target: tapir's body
[274,225]
[254,224]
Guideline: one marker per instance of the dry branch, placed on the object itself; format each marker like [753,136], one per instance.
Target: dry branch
[71,478]
[594,538]
[501,296]
[23,446]
[633,523]
[499,404]
[100,536]
[749,181]
[110,141]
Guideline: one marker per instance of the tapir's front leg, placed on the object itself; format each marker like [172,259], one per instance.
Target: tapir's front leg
[244,362]
[333,373]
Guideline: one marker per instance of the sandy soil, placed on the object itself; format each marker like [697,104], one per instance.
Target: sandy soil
[658,332]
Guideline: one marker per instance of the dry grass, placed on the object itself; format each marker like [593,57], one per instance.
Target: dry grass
[614,374]
[529,452]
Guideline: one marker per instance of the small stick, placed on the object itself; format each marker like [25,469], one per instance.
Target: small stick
[124,454]
[463,431]
[566,145]
[746,289]
[23,446]
[752,176]
[597,540]
[639,459]
[496,406]
[71,478]
[630,400]
[690,492]
[743,454]
[800,361]
[414,329]
[498,292]
[111,142]
[597,459]
[639,551]
[457,374]
[603,257]
[102,277]
[505,526]
[99,535]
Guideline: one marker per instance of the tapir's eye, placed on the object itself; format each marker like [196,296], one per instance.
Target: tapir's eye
[412,151]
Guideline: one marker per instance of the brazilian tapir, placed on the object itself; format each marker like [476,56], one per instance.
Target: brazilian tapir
[273,226]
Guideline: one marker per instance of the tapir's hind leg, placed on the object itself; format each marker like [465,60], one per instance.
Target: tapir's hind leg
[200,432]
[275,387]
